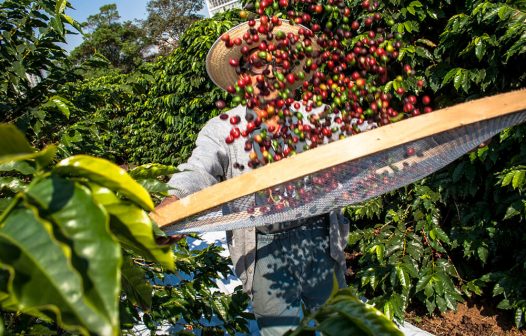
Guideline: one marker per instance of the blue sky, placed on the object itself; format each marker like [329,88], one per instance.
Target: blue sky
[128,10]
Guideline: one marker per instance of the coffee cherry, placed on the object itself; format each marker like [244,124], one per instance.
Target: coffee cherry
[234,120]
[220,104]
[426,100]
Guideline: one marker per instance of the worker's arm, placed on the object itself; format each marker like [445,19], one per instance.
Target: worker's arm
[206,166]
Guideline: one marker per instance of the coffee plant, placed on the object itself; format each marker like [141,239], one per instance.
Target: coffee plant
[421,251]
[458,233]
[33,66]
[64,228]
[475,207]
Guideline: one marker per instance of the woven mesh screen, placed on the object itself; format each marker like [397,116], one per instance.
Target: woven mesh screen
[349,183]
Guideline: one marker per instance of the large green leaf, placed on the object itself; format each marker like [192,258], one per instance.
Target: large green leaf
[133,227]
[365,317]
[107,174]
[134,284]
[85,224]
[43,280]
[15,147]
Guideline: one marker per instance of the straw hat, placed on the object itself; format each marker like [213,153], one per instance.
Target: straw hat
[222,74]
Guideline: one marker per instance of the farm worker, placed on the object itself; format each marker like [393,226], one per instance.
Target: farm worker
[283,265]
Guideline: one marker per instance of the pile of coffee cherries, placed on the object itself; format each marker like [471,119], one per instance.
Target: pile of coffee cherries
[321,83]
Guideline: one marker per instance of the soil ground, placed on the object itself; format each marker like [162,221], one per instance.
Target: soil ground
[477,317]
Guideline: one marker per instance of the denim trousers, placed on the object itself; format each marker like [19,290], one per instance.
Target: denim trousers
[292,268]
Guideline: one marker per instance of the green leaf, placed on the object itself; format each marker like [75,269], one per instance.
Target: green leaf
[518,179]
[60,6]
[408,26]
[135,285]
[426,42]
[403,277]
[13,142]
[15,147]
[367,318]
[424,53]
[5,203]
[480,48]
[508,178]
[71,207]
[133,227]
[60,103]
[519,317]
[440,234]
[430,305]
[43,281]
[335,325]
[450,75]
[504,304]
[106,174]
[441,304]
[423,282]
[154,186]
[483,252]
[18,166]
[513,210]
[460,78]
[57,25]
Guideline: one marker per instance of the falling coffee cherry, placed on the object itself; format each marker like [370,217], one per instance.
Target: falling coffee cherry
[234,120]
[229,139]
[220,104]
[426,100]
[346,75]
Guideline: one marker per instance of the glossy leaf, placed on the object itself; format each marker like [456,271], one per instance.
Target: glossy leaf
[60,6]
[106,174]
[133,228]
[365,317]
[61,104]
[38,261]
[86,225]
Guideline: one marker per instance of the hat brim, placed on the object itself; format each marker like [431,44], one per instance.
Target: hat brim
[217,60]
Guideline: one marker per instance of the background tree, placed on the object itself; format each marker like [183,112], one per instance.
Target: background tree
[168,19]
[121,43]
[108,15]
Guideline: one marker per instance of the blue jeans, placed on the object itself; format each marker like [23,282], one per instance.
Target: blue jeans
[292,267]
